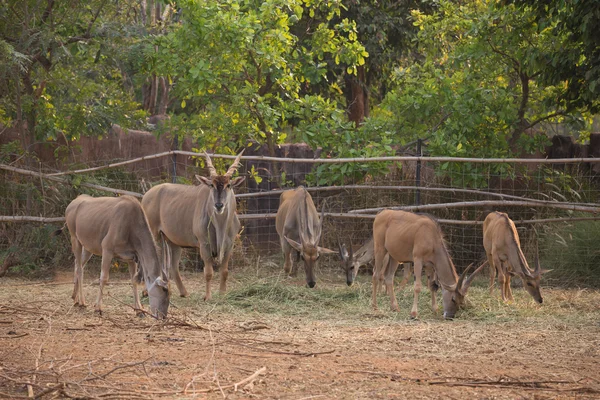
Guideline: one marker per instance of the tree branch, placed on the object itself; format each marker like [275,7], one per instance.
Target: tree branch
[544,118]
[47,11]
[94,18]
[516,63]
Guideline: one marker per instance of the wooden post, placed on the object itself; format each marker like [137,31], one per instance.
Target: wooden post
[418,174]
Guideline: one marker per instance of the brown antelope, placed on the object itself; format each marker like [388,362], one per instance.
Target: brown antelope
[299,228]
[503,249]
[351,262]
[116,227]
[197,216]
[409,237]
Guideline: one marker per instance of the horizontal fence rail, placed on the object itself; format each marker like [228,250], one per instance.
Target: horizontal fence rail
[338,160]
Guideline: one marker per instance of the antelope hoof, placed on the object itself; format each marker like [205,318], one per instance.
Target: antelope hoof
[395,308]
[414,315]
[144,293]
[98,311]
[207,297]
[140,314]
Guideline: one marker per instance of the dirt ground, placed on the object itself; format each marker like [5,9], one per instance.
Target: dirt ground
[235,347]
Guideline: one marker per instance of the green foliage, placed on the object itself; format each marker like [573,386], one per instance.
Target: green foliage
[571,61]
[572,253]
[243,75]
[61,67]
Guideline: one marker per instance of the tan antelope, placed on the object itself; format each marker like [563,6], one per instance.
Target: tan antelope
[351,263]
[415,238]
[297,223]
[503,249]
[116,227]
[201,216]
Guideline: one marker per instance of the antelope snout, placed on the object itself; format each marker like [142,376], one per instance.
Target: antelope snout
[448,316]
[540,300]
[349,283]
[219,207]
[311,284]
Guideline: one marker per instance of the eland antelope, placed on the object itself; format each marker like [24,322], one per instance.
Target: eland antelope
[503,250]
[196,216]
[409,237]
[116,227]
[297,223]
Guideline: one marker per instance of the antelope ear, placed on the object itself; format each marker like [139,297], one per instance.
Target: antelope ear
[324,250]
[343,252]
[205,180]
[545,271]
[161,282]
[237,181]
[297,246]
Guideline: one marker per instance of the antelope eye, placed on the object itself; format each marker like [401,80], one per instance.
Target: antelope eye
[454,301]
[318,255]
[529,284]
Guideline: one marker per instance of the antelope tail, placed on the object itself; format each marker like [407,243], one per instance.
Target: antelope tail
[59,231]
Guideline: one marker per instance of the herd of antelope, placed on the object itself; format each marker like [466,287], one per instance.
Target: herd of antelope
[151,235]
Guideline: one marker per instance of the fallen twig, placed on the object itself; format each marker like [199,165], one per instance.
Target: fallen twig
[249,379]
[14,336]
[253,326]
[49,390]
[291,353]
[104,375]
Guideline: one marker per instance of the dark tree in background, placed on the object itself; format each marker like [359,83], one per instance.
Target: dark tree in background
[575,57]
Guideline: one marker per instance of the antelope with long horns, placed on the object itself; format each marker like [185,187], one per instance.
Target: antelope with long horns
[201,216]
[503,249]
[116,227]
[409,237]
[297,223]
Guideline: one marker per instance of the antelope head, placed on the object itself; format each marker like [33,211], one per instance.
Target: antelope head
[454,299]
[309,249]
[532,280]
[158,294]
[221,185]
[348,262]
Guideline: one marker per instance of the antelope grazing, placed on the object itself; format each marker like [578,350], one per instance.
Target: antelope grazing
[297,223]
[351,262]
[503,249]
[196,216]
[116,227]
[416,238]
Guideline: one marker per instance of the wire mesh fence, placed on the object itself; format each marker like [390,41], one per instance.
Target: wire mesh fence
[553,202]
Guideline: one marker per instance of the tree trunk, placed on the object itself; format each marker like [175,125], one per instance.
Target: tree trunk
[521,122]
[143,12]
[357,100]
[164,96]
[157,12]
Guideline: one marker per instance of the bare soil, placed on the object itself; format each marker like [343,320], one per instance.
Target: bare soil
[210,349]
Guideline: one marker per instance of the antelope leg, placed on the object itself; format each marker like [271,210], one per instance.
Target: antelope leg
[224,273]
[106,259]
[174,268]
[133,267]
[414,313]
[389,283]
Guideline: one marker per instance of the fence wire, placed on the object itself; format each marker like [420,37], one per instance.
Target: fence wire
[553,203]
